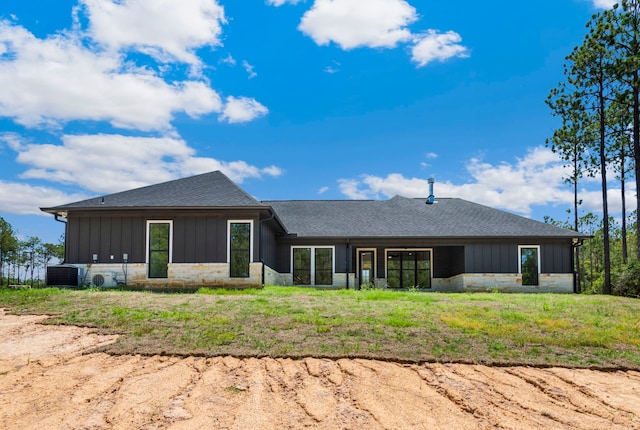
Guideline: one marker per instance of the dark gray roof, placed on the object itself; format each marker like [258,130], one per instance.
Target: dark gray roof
[406,217]
[211,189]
[397,217]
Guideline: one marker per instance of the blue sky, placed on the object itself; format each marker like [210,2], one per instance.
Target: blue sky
[315,99]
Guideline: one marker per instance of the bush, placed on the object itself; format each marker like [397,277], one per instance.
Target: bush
[627,280]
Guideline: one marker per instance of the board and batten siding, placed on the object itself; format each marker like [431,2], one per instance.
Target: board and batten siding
[197,238]
[105,236]
[555,257]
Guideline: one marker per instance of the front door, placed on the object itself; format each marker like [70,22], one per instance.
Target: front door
[366,263]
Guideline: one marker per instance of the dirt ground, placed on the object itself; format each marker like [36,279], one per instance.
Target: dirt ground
[49,379]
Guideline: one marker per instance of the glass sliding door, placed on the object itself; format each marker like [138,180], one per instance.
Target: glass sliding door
[312,265]
[323,266]
[302,266]
[409,269]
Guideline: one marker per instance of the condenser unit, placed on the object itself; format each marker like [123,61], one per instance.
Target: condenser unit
[103,279]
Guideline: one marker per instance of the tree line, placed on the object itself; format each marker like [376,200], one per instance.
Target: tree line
[24,262]
[598,104]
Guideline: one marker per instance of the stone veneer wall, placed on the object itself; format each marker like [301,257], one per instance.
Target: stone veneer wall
[217,275]
[179,275]
[339,281]
[505,283]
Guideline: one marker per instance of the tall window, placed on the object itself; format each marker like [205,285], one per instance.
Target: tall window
[407,269]
[239,248]
[302,266]
[312,265]
[529,264]
[158,248]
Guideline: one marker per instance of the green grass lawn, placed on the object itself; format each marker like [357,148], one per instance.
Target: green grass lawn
[488,328]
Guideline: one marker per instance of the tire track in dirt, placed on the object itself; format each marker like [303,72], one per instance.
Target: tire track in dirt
[65,387]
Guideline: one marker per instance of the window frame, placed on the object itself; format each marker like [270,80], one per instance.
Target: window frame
[148,244]
[239,221]
[386,263]
[312,268]
[539,263]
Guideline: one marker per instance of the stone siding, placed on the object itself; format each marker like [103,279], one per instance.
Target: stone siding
[179,275]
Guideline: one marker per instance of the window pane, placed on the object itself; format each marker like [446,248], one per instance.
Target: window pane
[159,237]
[408,278]
[158,267]
[239,264]
[324,266]
[240,252]
[393,260]
[424,279]
[158,250]
[240,235]
[409,260]
[529,265]
[393,278]
[302,266]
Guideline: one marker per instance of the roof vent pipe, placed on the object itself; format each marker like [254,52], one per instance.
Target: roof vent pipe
[431,199]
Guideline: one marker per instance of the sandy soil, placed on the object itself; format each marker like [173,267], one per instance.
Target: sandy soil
[50,380]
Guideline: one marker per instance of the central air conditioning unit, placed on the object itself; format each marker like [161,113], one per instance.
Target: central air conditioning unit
[103,279]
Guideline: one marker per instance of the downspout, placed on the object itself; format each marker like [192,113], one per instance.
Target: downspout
[578,243]
[260,250]
[347,262]
[60,218]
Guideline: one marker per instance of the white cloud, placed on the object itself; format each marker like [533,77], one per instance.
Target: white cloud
[537,179]
[356,23]
[323,190]
[249,68]
[229,60]
[434,46]
[32,198]
[281,2]
[55,80]
[108,163]
[164,29]
[242,109]
[605,4]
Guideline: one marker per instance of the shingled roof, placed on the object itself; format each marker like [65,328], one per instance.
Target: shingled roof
[397,217]
[407,217]
[211,189]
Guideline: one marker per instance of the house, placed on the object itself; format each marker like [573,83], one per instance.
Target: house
[205,230]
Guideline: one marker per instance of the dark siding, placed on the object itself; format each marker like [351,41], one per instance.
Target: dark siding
[220,246]
[556,258]
[341,258]
[211,239]
[106,236]
[73,242]
[381,263]
[138,240]
[179,241]
[496,257]
[491,258]
[268,245]
[283,257]
[201,239]
[448,261]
